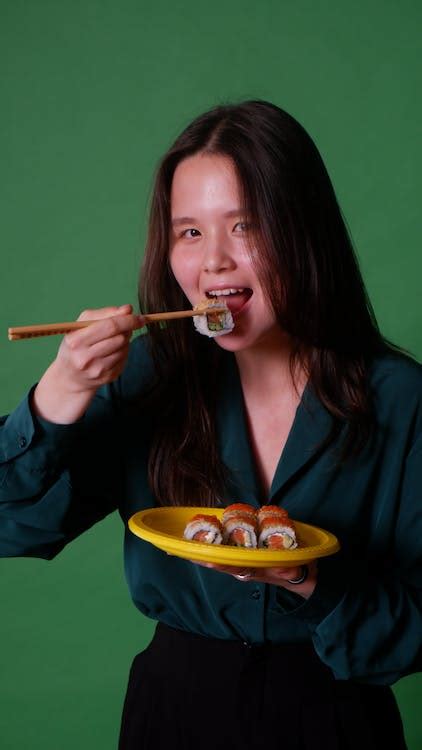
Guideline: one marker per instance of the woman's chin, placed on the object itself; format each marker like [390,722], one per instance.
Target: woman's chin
[228,342]
[234,341]
[242,338]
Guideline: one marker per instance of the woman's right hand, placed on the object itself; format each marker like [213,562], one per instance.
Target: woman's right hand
[87,358]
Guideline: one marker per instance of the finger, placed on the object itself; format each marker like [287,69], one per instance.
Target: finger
[107,369]
[236,571]
[283,576]
[264,575]
[203,564]
[247,574]
[118,344]
[100,371]
[105,312]
[285,573]
[101,330]
[277,576]
[219,568]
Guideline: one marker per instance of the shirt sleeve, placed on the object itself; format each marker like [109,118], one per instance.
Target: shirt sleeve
[365,617]
[56,480]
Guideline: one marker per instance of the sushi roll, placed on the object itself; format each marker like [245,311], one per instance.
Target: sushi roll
[236,508]
[240,530]
[204,528]
[216,323]
[271,510]
[277,532]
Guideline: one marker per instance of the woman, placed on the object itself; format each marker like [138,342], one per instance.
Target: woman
[303,405]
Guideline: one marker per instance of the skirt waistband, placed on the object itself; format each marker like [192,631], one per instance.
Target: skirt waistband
[163,632]
[298,660]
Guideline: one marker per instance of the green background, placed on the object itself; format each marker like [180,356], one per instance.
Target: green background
[92,92]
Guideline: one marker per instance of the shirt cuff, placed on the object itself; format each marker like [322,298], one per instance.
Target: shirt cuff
[330,588]
[23,430]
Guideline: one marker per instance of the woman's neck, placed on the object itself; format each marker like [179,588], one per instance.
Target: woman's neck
[271,392]
[266,368]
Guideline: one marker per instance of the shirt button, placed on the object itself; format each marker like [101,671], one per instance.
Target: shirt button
[256,595]
[22,441]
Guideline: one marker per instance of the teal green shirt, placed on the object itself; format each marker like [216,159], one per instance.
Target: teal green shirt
[365,615]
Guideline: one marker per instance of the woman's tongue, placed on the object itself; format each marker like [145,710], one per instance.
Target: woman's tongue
[235,301]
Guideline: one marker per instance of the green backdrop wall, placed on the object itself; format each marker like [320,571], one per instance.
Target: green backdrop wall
[92,92]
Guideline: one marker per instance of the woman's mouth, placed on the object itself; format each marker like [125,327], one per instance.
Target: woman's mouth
[234,297]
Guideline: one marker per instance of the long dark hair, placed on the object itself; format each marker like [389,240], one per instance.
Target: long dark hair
[308,268]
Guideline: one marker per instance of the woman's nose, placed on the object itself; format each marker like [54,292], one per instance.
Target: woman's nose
[217,257]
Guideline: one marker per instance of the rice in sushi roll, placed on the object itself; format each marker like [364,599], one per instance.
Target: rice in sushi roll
[240,530]
[204,528]
[276,531]
[213,324]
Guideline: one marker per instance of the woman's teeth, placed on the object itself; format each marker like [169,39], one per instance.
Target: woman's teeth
[224,292]
[234,297]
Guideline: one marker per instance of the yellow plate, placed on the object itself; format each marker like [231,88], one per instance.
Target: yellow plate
[164,528]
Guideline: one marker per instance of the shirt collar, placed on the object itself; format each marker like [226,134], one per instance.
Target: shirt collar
[310,428]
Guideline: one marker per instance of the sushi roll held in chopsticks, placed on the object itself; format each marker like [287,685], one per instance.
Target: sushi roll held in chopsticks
[275,529]
[204,528]
[240,525]
[213,324]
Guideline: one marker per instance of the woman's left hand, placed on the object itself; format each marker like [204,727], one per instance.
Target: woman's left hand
[275,576]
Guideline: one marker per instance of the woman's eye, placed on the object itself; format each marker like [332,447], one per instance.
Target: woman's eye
[190,233]
[241,226]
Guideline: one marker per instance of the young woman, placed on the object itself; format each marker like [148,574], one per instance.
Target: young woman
[303,405]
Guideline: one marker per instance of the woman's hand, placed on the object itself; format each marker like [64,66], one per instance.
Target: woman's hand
[87,358]
[275,576]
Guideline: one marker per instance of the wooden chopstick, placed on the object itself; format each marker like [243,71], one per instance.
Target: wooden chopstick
[51,329]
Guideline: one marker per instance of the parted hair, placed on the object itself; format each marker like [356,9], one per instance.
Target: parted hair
[308,267]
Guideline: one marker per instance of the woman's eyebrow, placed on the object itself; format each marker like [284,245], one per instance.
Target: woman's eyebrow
[183,220]
[235,212]
[191,219]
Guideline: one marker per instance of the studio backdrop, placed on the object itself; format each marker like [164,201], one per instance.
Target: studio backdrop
[92,92]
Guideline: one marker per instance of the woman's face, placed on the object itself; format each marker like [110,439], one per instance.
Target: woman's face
[210,254]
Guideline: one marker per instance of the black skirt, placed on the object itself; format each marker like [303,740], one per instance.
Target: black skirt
[187,692]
